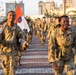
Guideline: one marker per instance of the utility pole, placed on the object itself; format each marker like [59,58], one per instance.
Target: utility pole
[64,7]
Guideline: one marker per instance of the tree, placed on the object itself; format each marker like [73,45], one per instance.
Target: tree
[74,15]
[49,15]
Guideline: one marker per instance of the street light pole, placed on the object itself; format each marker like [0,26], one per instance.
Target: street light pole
[64,7]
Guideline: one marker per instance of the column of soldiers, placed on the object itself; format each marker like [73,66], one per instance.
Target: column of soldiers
[57,50]
[61,36]
[40,28]
[61,42]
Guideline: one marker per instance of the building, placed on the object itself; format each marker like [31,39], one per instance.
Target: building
[43,6]
[49,0]
[70,6]
[2,18]
[11,6]
[2,10]
[71,3]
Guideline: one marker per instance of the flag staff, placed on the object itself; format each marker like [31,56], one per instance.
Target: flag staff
[15,4]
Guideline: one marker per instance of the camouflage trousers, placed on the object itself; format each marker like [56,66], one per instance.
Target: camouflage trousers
[8,64]
[19,58]
[49,54]
[42,38]
[67,65]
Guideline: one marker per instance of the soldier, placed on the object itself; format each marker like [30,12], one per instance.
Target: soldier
[10,43]
[39,28]
[73,26]
[55,24]
[62,46]
[43,30]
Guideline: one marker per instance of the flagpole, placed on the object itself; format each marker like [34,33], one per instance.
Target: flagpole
[15,4]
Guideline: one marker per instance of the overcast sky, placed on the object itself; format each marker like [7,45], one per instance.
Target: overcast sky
[31,6]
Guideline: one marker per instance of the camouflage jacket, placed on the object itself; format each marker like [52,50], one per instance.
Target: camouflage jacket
[10,39]
[62,43]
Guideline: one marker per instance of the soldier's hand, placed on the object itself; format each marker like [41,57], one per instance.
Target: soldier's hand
[25,45]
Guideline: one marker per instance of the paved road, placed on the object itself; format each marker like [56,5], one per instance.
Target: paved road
[34,60]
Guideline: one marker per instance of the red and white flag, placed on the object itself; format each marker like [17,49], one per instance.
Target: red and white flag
[20,20]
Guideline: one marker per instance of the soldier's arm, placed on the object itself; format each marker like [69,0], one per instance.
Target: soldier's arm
[20,35]
[52,46]
[19,32]
[49,31]
[74,42]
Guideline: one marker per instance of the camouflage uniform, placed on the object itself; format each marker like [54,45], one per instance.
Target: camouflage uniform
[9,48]
[35,27]
[44,28]
[62,48]
[39,28]
[74,29]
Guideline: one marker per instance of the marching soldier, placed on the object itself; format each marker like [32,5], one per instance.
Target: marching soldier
[10,43]
[43,30]
[55,24]
[62,47]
